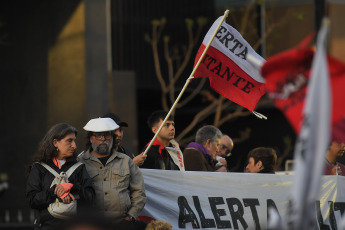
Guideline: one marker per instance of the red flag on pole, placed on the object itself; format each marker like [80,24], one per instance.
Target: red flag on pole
[225,64]
[287,76]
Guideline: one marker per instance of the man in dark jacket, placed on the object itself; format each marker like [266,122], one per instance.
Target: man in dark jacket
[158,156]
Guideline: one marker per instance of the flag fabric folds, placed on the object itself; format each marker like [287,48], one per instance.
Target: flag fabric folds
[287,76]
[225,64]
[313,140]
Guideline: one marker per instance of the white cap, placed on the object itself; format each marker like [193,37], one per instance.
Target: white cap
[101,125]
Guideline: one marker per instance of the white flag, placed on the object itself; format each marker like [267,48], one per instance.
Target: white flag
[312,143]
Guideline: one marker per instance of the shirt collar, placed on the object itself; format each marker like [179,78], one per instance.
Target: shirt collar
[157,142]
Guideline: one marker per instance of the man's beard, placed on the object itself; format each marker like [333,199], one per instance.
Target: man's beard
[102,148]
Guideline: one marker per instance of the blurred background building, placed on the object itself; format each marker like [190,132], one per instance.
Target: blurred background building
[73,60]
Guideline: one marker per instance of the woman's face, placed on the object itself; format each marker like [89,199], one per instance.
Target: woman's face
[252,167]
[66,146]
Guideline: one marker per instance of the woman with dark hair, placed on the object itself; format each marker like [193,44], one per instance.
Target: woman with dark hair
[57,150]
[261,160]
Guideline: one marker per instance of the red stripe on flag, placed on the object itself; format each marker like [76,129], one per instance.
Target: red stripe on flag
[228,79]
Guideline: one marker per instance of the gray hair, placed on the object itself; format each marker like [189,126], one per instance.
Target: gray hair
[207,132]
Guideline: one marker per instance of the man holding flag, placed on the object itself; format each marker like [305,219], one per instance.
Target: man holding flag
[223,60]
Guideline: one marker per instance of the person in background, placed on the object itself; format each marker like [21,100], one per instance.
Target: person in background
[57,149]
[159,225]
[140,158]
[332,167]
[226,146]
[261,160]
[164,153]
[201,154]
[119,184]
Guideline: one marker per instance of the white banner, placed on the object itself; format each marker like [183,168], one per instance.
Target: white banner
[212,200]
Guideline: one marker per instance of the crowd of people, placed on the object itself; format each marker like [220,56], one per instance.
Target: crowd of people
[104,183]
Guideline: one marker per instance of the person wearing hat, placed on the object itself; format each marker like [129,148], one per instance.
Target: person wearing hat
[139,159]
[118,182]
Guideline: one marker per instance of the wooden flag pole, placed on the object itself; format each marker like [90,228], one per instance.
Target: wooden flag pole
[187,82]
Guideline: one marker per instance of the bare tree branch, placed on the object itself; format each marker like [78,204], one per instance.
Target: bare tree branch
[236,114]
[195,121]
[195,92]
[187,140]
[264,37]
[169,61]
[246,17]
[187,55]
[288,148]
[219,110]
[154,44]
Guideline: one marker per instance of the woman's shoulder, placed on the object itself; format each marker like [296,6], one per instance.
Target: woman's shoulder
[37,168]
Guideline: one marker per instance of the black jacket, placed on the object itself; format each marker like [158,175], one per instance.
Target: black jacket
[155,160]
[39,194]
[268,171]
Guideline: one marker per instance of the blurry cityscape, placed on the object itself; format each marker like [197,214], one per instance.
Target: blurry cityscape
[73,60]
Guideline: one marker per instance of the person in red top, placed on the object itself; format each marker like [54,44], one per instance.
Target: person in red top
[158,156]
[332,167]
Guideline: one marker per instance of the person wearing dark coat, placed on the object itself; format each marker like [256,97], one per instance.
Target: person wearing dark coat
[57,150]
[201,154]
[261,160]
[158,156]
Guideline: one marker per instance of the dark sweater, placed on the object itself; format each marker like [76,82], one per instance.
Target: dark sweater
[194,160]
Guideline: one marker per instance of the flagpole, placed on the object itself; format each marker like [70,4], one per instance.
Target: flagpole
[187,82]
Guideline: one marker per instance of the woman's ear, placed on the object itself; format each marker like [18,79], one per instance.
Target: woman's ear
[260,165]
[55,142]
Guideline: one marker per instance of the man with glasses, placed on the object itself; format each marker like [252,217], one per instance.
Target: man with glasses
[138,159]
[118,182]
[226,146]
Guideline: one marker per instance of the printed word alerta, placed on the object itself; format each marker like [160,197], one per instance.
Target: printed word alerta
[236,209]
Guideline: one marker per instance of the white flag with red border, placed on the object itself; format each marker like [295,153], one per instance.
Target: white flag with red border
[225,64]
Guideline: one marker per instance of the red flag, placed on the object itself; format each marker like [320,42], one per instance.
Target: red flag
[225,64]
[287,77]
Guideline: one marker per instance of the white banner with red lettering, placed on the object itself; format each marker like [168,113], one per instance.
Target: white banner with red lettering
[212,200]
